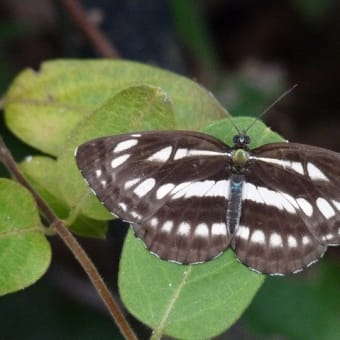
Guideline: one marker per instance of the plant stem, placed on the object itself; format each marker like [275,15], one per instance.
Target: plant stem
[72,244]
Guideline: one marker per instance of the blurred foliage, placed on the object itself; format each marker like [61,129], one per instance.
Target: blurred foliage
[304,306]
[24,315]
[9,33]
[192,28]
[313,10]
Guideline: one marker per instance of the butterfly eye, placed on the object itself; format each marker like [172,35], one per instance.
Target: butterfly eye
[236,139]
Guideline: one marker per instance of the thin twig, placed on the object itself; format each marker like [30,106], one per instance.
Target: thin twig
[71,242]
[103,46]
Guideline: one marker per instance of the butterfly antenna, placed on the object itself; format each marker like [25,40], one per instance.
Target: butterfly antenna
[284,94]
[234,125]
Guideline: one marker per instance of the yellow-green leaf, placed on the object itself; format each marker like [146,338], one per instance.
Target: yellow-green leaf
[43,107]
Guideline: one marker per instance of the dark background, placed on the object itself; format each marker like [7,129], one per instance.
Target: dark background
[247,53]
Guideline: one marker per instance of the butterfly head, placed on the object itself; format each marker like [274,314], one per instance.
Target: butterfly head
[241,141]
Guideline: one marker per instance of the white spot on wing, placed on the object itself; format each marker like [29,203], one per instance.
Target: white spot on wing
[128,184]
[328,237]
[195,189]
[136,135]
[336,204]
[164,189]
[315,173]
[219,189]
[103,183]
[306,240]
[93,192]
[242,232]
[126,144]
[297,167]
[202,230]
[269,197]
[154,222]
[258,237]
[180,153]
[306,207]
[291,200]
[179,187]
[144,187]
[116,162]
[167,227]
[325,208]
[275,240]
[75,151]
[183,153]
[122,206]
[285,164]
[98,173]
[184,229]
[218,229]
[250,193]
[291,241]
[162,155]
[134,214]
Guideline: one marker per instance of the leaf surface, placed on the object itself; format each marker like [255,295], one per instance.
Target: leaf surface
[42,107]
[25,253]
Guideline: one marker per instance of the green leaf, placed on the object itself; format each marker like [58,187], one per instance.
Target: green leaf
[42,108]
[195,33]
[190,302]
[314,11]
[41,173]
[25,253]
[187,302]
[135,108]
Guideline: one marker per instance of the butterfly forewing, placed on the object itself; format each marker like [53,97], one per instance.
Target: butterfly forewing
[178,189]
[172,187]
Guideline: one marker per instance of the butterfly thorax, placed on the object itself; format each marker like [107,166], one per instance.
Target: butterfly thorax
[240,154]
[239,160]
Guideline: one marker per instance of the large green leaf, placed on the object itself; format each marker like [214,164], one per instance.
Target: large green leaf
[25,253]
[42,108]
[186,302]
[197,301]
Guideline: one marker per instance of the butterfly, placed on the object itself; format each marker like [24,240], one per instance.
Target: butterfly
[189,196]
